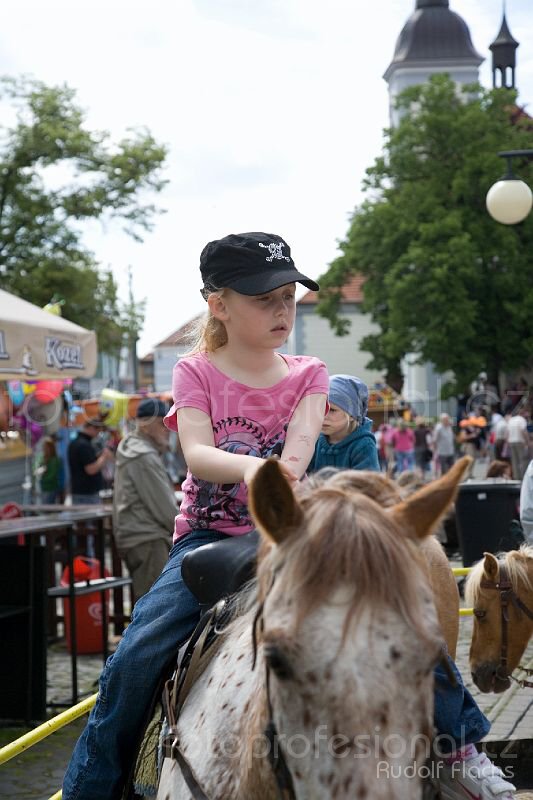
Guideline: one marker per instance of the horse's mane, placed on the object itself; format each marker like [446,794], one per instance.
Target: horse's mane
[349,539]
[519,565]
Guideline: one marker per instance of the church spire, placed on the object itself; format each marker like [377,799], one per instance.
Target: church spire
[504,56]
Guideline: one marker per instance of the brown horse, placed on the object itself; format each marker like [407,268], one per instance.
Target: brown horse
[387,494]
[500,590]
[322,687]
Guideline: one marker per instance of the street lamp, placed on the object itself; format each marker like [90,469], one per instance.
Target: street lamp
[510,200]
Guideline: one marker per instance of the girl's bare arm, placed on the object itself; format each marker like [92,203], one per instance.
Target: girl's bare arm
[303,432]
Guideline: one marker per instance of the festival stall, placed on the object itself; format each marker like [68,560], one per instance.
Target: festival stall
[384,403]
[40,354]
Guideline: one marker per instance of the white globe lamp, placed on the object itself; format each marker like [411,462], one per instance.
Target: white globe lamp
[510,200]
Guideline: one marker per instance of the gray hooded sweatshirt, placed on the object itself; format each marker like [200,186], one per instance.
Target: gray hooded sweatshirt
[144,505]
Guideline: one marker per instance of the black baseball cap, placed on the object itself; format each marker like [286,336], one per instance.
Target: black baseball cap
[250,263]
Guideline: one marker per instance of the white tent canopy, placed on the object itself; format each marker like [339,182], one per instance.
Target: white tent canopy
[37,345]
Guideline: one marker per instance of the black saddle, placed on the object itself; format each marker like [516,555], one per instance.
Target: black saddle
[217,570]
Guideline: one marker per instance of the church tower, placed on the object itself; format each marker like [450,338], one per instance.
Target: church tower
[504,57]
[434,39]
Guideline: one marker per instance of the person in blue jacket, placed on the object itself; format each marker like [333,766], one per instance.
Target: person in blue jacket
[346,441]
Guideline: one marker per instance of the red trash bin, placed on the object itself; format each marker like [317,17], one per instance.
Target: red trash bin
[88,608]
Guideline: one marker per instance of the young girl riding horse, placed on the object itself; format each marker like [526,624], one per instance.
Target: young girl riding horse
[237,401]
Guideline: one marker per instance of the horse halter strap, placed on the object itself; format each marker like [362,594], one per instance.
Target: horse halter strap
[507,595]
[276,757]
[177,690]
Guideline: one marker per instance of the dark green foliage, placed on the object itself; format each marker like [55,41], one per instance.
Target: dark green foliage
[443,279]
[54,174]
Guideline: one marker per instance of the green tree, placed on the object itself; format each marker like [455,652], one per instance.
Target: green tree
[54,175]
[442,278]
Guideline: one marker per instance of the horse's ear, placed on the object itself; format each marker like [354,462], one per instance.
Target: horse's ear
[491,567]
[273,506]
[420,512]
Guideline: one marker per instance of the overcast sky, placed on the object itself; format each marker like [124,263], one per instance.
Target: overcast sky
[272,110]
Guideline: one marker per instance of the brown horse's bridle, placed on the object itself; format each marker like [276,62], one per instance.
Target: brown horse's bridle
[507,596]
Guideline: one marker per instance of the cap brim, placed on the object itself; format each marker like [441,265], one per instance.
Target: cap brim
[254,284]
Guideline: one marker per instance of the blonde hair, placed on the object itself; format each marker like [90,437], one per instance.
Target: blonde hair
[207,333]
[354,423]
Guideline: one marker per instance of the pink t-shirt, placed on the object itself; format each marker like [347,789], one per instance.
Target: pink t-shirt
[245,421]
[403,441]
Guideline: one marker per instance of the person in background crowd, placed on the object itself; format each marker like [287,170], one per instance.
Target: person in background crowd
[50,472]
[501,432]
[470,439]
[518,439]
[86,465]
[499,469]
[381,448]
[389,429]
[346,441]
[144,505]
[444,443]
[477,397]
[423,453]
[526,504]
[403,441]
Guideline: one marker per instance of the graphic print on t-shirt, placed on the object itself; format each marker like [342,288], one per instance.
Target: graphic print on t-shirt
[213,502]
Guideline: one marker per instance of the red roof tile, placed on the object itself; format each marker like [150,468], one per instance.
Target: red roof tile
[351,292]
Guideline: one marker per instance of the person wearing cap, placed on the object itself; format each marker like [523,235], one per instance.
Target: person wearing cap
[346,441]
[144,504]
[86,464]
[237,401]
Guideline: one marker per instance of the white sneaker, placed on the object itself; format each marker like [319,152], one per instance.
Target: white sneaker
[474,778]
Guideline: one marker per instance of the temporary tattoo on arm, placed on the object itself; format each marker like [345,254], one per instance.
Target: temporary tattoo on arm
[305,439]
[294,458]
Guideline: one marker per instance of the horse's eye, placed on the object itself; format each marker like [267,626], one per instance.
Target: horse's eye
[277,661]
[480,613]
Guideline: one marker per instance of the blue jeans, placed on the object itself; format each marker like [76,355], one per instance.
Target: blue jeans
[161,621]
[458,718]
[405,460]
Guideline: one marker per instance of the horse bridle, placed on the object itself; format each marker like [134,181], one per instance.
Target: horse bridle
[507,596]
[276,757]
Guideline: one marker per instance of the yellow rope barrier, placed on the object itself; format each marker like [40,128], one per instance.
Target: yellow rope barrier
[50,726]
[459,571]
[466,612]
[57,796]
